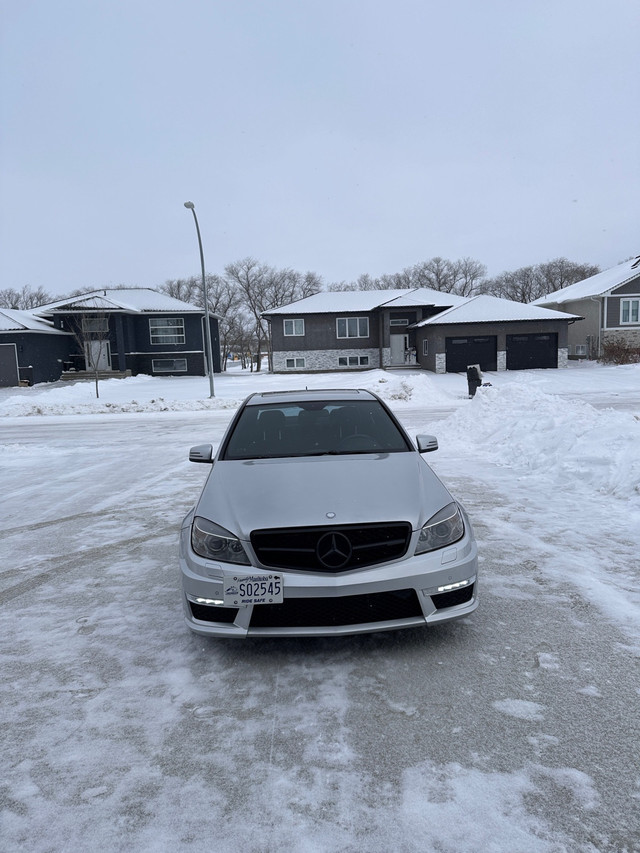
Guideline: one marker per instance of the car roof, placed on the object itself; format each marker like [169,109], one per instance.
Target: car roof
[307,395]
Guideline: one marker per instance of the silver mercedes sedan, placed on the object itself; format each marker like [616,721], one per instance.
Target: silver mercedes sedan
[320,517]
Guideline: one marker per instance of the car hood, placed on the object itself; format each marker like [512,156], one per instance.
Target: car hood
[253,494]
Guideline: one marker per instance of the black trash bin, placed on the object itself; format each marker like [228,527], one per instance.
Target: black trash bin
[474,378]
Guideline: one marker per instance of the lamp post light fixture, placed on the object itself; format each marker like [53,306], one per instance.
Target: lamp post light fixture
[207,327]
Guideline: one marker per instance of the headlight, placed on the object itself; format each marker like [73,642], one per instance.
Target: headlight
[215,543]
[445,528]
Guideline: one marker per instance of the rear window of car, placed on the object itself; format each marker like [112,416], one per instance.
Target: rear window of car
[314,428]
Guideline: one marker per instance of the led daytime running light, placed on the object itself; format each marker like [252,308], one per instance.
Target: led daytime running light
[448,587]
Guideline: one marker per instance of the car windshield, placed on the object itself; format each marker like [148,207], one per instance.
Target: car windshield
[315,428]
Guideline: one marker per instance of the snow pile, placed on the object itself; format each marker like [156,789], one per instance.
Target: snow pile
[541,434]
[133,394]
[191,393]
[24,408]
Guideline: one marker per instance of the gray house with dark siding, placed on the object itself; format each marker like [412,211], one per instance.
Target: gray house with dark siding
[350,329]
[610,304]
[441,332]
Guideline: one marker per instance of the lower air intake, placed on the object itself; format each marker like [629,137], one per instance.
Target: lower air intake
[207,613]
[338,611]
[456,596]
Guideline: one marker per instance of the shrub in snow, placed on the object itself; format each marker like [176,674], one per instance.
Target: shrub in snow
[618,351]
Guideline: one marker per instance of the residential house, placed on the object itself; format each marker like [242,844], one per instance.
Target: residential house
[31,349]
[441,332]
[610,304]
[135,330]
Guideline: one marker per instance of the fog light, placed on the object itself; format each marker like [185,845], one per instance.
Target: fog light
[211,602]
[448,587]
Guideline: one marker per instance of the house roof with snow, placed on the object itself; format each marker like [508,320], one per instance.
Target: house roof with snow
[12,320]
[332,302]
[596,285]
[427,297]
[492,309]
[135,300]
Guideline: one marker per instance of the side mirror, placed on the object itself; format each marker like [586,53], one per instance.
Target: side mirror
[427,443]
[201,453]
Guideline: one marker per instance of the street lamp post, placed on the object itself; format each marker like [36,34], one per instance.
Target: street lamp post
[207,327]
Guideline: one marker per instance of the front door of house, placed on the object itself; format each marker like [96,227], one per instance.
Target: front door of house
[399,344]
[97,355]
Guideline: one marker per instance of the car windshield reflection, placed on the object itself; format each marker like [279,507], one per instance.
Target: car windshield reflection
[315,428]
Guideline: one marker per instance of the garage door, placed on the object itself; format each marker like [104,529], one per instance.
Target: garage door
[529,351]
[471,350]
[8,366]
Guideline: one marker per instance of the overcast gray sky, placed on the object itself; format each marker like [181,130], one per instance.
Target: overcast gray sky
[336,136]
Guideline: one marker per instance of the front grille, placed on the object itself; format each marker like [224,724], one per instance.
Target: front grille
[456,596]
[337,611]
[331,549]
[207,613]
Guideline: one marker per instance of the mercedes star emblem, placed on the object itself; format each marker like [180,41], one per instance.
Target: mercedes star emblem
[334,550]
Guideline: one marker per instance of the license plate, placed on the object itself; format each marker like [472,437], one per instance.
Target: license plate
[242,590]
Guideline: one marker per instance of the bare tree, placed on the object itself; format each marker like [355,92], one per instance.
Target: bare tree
[397,280]
[241,338]
[529,283]
[471,275]
[463,277]
[25,299]
[261,287]
[251,279]
[363,282]
[559,273]
[436,274]
[184,289]
[91,333]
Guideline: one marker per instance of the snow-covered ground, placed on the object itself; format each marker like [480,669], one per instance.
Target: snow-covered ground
[515,730]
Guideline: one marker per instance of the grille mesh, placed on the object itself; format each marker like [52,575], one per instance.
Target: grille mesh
[297,547]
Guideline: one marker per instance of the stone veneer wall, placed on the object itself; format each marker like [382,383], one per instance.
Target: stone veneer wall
[323,360]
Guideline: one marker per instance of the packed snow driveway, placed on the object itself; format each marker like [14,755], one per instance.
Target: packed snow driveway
[514,730]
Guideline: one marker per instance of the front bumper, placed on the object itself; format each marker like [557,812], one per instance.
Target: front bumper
[414,591]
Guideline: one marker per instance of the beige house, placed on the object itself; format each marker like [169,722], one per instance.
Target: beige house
[610,304]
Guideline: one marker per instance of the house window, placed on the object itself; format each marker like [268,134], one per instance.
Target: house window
[295,362]
[166,330]
[293,327]
[629,310]
[581,349]
[353,361]
[169,365]
[398,322]
[425,347]
[352,327]
[95,325]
